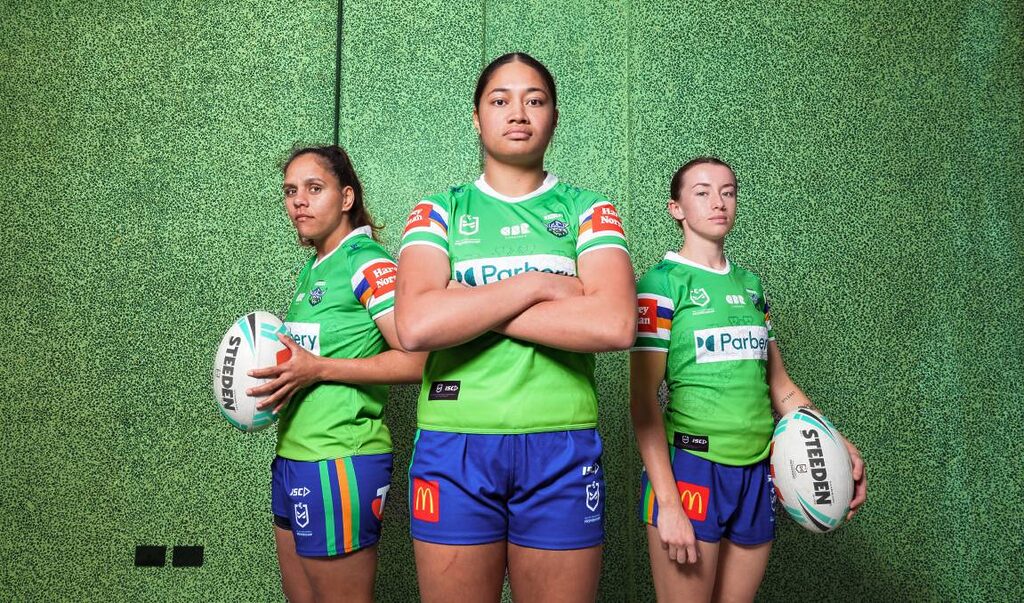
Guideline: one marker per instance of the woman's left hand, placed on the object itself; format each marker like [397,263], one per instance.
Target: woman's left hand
[860,479]
[301,370]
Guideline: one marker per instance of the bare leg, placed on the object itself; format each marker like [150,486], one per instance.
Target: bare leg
[554,576]
[347,578]
[294,582]
[740,570]
[679,582]
[457,573]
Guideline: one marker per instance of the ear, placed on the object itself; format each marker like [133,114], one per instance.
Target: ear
[675,210]
[476,121]
[348,198]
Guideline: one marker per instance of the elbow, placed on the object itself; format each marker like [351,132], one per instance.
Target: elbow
[412,337]
[620,334]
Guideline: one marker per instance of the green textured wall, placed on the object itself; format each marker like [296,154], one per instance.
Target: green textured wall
[879,147]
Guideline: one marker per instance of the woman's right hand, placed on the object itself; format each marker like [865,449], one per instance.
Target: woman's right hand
[676,534]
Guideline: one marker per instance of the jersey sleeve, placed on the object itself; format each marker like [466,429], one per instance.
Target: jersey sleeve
[600,227]
[654,311]
[428,224]
[374,276]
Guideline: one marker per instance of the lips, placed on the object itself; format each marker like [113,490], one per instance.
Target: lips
[518,134]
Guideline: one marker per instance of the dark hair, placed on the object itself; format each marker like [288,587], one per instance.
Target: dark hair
[677,179]
[514,57]
[337,161]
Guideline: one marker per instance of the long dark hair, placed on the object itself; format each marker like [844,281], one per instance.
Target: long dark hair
[336,159]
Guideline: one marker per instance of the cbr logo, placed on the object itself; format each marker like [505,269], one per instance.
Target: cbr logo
[301,515]
[699,297]
[299,491]
[593,495]
[426,500]
[695,500]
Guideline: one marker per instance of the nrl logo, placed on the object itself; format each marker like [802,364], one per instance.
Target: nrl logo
[316,294]
[469,225]
[593,495]
[699,297]
[754,297]
[301,515]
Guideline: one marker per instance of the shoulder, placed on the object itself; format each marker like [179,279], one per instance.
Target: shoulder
[363,250]
[582,198]
[745,275]
[657,278]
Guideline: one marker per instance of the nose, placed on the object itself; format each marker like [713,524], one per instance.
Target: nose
[717,201]
[517,114]
[299,199]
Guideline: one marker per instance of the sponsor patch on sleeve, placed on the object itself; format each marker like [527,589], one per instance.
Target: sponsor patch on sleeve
[653,322]
[427,225]
[374,283]
[600,225]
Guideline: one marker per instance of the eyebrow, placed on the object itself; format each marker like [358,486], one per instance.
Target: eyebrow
[306,181]
[528,90]
[709,184]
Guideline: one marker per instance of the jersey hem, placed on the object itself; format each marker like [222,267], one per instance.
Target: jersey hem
[388,450]
[579,254]
[649,349]
[427,243]
[499,431]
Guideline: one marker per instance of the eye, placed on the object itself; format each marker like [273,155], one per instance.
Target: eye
[730,194]
[701,193]
[535,102]
[499,102]
[289,191]
[315,188]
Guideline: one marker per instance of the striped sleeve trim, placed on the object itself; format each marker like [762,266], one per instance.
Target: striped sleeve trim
[601,225]
[654,315]
[373,284]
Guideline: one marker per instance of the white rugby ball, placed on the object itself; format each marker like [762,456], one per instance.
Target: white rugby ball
[250,343]
[811,470]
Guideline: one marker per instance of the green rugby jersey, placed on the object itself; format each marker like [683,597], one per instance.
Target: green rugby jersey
[494,383]
[715,327]
[338,298]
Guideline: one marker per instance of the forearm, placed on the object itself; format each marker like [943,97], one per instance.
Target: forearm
[577,324]
[442,318]
[388,367]
[650,437]
[786,396]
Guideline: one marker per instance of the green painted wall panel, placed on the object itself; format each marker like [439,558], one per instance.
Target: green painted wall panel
[879,149]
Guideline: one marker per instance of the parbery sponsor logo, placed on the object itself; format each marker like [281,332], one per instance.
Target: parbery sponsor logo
[491,270]
[731,343]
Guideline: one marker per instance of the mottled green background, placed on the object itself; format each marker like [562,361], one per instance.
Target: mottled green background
[879,148]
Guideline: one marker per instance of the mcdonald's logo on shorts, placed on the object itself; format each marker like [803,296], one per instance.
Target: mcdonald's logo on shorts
[426,500]
[695,500]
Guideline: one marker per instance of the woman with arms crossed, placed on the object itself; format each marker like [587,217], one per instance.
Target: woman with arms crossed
[707,495]
[506,470]
[333,466]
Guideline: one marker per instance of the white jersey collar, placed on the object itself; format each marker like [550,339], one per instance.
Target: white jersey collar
[675,257]
[362,230]
[549,181]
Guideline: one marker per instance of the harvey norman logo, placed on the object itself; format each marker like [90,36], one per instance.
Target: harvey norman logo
[731,343]
[491,270]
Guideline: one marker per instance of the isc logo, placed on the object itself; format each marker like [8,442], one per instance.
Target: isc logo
[731,343]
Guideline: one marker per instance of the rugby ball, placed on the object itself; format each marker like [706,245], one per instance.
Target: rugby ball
[250,343]
[811,469]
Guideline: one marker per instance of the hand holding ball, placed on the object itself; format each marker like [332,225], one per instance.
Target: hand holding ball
[251,343]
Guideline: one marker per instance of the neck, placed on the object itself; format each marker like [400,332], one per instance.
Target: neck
[331,241]
[704,252]
[513,180]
